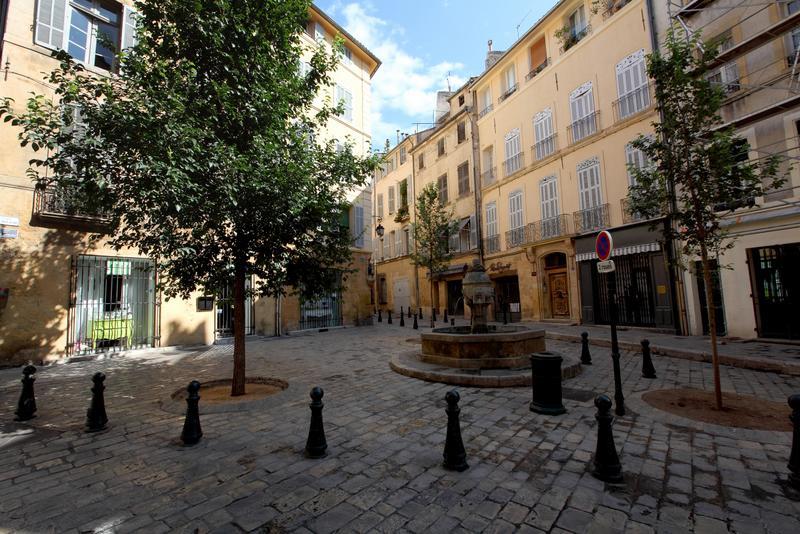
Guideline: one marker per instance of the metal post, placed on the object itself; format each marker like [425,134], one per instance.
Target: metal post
[794,456]
[586,356]
[648,371]
[26,407]
[619,399]
[96,418]
[316,444]
[606,460]
[416,325]
[455,456]
[191,426]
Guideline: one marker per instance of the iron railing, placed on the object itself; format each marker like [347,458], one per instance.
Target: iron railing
[593,218]
[545,147]
[513,164]
[584,127]
[633,103]
[63,203]
[536,70]
[549,228]
[516,237]
[574,37]
[485,110]
[612,6]
[489,176]
[629,216]
[491,244]
[324,312]
[508,92]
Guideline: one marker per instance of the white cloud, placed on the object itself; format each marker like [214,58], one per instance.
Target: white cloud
[404,88]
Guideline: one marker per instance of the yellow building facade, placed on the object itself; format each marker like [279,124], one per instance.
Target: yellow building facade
[62,294]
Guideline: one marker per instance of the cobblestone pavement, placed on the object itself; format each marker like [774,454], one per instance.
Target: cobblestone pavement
[529,472]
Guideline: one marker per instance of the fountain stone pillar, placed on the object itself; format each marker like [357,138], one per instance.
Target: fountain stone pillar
[478,295]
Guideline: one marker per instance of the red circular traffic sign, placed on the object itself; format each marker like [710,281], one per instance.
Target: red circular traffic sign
[603,245]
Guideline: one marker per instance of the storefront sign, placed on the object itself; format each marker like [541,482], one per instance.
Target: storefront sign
[606,266]
[9,221]
[499,266]
[9,233]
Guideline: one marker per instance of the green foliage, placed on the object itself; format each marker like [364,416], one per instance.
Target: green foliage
[432,229]
[202,150]
[695,165]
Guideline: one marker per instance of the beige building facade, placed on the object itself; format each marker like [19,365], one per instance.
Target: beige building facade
[64,294]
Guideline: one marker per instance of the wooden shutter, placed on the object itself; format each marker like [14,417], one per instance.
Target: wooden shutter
[128,27]
[549,197]
[391,199]
[491,219]
[358,223]
[589,184]
[473,232]
[51,16]
[636,158]
[380,206]
[515,209]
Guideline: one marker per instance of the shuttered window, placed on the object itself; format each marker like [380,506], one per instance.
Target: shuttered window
[463,179]
[380,206]
[548,192]
[443,189]
[589,184]
[491,219]
[391,200]
[346,98]
[51,17]
[358,225]
[544,132]
[513,148]
[632,89]
[516,215]
[636,158]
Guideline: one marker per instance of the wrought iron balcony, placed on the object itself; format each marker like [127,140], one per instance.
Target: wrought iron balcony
[595,218]
[513,164]
[550,228]
[584,127]
[635,102]
[609,7]
[489,176]
[545,147]
[485,110]
[629,216]
[574,36]
[59,203]
[491,244]
[516,237]
[536,70]
[508,92]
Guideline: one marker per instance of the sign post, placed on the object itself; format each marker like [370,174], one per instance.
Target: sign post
[604,244]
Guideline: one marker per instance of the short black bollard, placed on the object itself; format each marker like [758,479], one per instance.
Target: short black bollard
[794,456]
[586,357]
[191,426]
[546,383]
[433,314]
[26,407]
[606,462]
[402,318]
[455,457]
[452,321]
[416,326]
[380,318]
[409,312]
[316,445]
[401,312]
[445,315]
[505,316]
[96,418]
[389,317]
[648,371]
[420,314]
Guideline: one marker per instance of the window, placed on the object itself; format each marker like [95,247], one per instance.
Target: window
[460,100]
[516,220]
[402,155]
[726,77]
[509,82]
[589,183]
[421,160]
[467,237]
[581,105]
[463,179]
[304,68]
[319,33]
[440,147]
[398,244]
[347,56]
[577,24]
[391,200]
[485,101]
[792,7]
[443,189]
[380,205]
[491,219]
[545,134]
[461,131]
[386,249]
[632,86]
[92,31]
[358,226]
[548,191]
[634,158]
[513,146]
[407,241]
[392,247]
[346,97]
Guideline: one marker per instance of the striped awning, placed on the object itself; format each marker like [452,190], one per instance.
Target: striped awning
[621,251]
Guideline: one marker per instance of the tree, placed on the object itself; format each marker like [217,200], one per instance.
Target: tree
[203,150]
[695,165]
[432,229]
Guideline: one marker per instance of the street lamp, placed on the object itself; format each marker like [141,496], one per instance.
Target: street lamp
[379,232]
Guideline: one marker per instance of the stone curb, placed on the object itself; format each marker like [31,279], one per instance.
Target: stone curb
[753,364]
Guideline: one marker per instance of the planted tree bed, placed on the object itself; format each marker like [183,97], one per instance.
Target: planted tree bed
[740,411]
[219,391]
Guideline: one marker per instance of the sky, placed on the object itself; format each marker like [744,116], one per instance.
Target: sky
[423,44]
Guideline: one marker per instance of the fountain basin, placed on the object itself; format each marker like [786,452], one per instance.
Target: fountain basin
[503,347]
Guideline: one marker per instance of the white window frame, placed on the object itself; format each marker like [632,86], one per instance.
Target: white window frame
[635,157]
[391,199]
[513,150]
[509,79]
[380,205]
[358,225]
[590,191]
[344,95]
[544,134]
[581,107]
[516,210]
[548,194]
[491,219]
[632,85]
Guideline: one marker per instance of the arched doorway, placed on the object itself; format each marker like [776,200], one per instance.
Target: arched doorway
[556,291]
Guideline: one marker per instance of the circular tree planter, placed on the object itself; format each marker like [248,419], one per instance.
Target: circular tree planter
[215,395]
[738,411]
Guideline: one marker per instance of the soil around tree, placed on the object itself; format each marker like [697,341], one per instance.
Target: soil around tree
[218,392]
[739,411]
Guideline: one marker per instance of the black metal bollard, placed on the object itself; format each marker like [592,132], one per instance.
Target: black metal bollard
[380,318]
[648,371]
[191,426]
[455,456]
[409,312]
[546,383]
[316,445]
[433,314]
[794,456]
[26,407]
[452,321]
[416,326]
[389,317]
[420,314]
[402,318]
[586,357]
[606,462]
[96,418]
[401,312]
[445,315]
[505,316]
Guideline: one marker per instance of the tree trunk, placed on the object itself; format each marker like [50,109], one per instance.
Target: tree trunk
[712,324]
[433,325]
[238,380]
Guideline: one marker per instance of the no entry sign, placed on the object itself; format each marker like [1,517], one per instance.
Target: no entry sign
[603,245]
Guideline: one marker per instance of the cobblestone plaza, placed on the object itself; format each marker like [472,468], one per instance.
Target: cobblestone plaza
[385,432]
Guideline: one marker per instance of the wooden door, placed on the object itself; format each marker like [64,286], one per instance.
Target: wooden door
[559,295]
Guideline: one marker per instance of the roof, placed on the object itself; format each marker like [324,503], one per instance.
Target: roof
[349,37]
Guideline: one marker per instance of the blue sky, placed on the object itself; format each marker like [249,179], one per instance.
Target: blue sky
[420,42]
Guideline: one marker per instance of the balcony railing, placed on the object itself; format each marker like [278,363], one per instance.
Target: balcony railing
[545,147]
[635,102]
[584,127]
[594,218]
[513,164]
[536,70]
[489,176]
[629,216]
[574,36]
[549,228]
[54,202]
[612,6]
[508,92]
[485,110]
[516,237]
[491,244]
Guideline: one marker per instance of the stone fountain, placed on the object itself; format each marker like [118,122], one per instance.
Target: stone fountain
[480,354]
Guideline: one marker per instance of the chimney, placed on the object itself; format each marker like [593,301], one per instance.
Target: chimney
[442,104]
